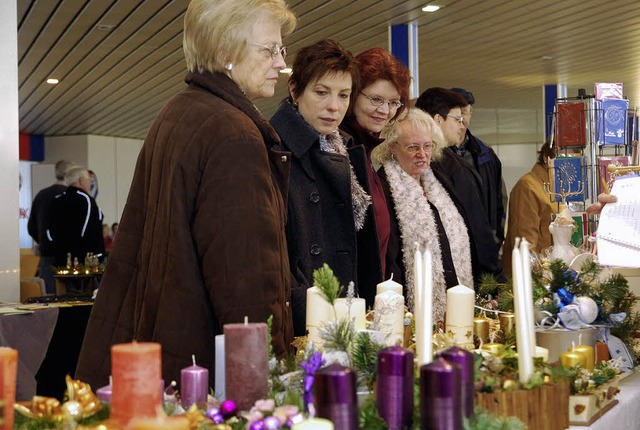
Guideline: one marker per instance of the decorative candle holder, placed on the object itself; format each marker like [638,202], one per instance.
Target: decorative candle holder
[481,328]
[395,387]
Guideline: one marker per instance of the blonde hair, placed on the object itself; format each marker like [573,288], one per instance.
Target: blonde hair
[392,133]
[214,30]
[74,174]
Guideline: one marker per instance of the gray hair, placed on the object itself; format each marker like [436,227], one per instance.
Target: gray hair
[74,174]
[391,134]
[215,30]
[61,168]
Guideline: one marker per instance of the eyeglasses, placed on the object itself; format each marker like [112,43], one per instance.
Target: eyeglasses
[414,148]
[379,101]
[460,119]
[274,50]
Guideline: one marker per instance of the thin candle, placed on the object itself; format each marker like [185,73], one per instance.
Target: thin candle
[426,352]
[528,291]
[418,303]
[525,354]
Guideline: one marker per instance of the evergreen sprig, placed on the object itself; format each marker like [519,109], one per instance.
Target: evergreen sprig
[337,335]
[328,283]
[365,358]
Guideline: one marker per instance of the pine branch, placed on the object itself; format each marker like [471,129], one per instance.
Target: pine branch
[365,357]
[328,283]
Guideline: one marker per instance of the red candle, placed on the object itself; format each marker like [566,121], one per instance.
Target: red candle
[246,363]
[136,370]
[8,372]
[194,385]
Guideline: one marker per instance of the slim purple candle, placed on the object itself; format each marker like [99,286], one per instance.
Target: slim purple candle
[395,387]
[104,393]
[464,359]
[440,396]
[334,391]
[194,385]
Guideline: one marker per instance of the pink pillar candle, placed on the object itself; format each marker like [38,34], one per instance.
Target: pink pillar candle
[136,373]
[194,385]
[8,375]
[246,363]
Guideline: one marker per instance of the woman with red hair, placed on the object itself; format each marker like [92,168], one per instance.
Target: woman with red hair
[384,95]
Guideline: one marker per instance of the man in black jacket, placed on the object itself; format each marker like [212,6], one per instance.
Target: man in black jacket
[75,224]
[38,219]
[446,108]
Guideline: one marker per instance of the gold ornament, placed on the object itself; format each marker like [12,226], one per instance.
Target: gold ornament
[195,417]
[73,409]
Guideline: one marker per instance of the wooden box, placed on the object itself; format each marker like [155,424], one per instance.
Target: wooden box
[545,407]
[585,409]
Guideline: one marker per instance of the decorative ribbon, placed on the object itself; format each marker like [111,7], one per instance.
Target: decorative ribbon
[563,298]
[310,367]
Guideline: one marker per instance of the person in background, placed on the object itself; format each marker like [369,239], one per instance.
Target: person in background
[202,240]
[530,209]
[603,199]
[114,230]
[327,204]
[487,164]
[445,107]
[107,238]
[383,97]
[37,224]
[75,221]
[422,208]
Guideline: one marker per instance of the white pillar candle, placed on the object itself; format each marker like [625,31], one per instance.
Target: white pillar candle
[541,352]
[389,316]
[459,317]
[319,311]
[219,368]
[389,285]
[357,310]
[525,354]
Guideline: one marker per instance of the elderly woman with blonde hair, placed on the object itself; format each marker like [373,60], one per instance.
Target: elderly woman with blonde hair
[202,237]
[423,210]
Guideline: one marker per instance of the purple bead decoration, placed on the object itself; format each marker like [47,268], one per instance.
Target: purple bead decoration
[217,419]
[395,387]
[440,396]
[464,359]
[228,408]
[271,423]
[213,410]
[334,392]
[257,425]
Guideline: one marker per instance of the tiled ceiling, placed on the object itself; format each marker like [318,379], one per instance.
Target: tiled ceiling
[118,61]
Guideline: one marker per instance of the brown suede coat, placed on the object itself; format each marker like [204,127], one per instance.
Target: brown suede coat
[201,241]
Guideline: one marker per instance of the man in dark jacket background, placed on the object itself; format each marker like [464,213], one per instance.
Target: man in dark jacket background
[37,225]
[445,106]
[75,222]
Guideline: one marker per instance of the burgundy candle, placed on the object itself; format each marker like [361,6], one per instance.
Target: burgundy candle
[440,396]
[194,385]
[395,387]
[464,359]
[246,363]
[334,392]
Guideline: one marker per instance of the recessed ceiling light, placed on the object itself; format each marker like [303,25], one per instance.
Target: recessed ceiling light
[287,70]
[52,81]
[430,8]
[104,27]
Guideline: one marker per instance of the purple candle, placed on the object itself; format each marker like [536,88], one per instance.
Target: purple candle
[194,385]
[440,396]
[464,359]
[104,393]
[395,387]
[334,391]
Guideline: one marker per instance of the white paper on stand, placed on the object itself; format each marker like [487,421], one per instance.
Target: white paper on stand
[619,226]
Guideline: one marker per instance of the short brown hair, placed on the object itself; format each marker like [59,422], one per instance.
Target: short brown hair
[319,59]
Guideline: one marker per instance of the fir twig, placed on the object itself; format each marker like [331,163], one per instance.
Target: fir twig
[328,283]
[365,358]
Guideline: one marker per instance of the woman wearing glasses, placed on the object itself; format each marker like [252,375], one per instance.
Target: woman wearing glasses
[383,97]
[202,238]
[421,207]
[327,205]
